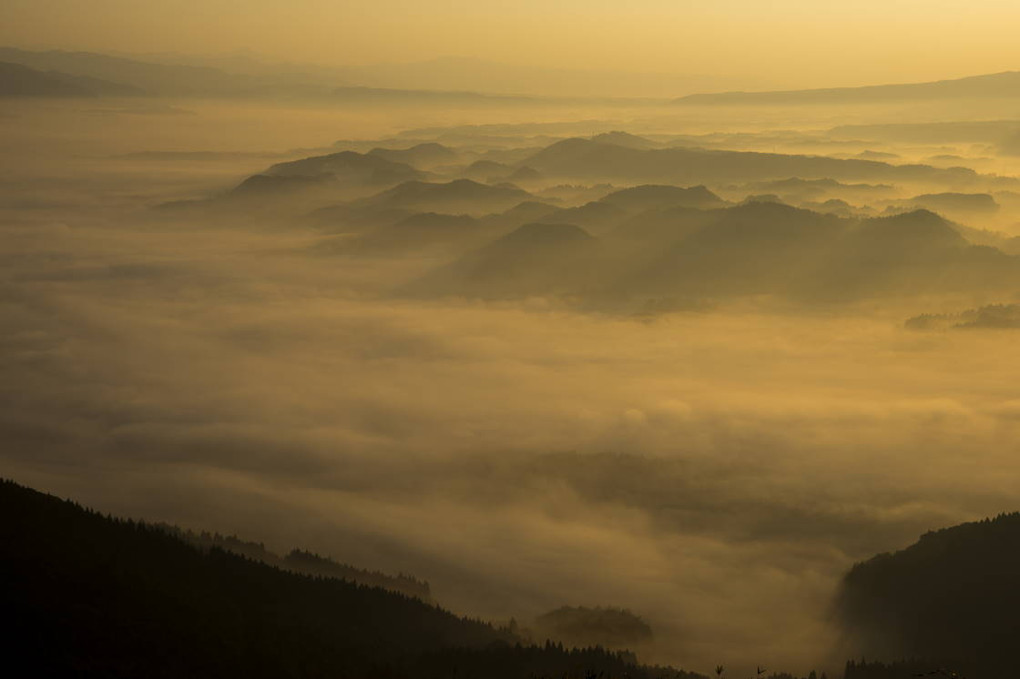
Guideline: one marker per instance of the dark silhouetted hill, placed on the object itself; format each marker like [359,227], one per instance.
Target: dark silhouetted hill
[582,626]
[85,595]
[951,598]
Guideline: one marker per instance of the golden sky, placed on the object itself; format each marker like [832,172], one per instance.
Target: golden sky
[783,42]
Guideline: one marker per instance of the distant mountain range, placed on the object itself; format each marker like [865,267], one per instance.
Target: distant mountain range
[996,86]
[470,83]
[17,80]
[457,80]
[158,79]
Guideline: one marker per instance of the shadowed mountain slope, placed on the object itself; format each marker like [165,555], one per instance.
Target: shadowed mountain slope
[300,561]
[951,597]
[90,596]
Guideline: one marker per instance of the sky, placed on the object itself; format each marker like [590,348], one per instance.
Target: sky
[785,43]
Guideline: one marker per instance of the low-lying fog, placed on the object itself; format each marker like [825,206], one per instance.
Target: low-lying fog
[715,470]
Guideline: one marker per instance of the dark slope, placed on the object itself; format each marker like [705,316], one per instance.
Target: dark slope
[300,561]
[17,80]
[536,259]
[952,598]
[88,596]
[998,85]
[591,160]
[118,597]
[349,167]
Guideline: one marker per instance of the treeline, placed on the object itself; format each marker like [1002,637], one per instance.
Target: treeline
[86,595]
[308,563]
[899,669]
